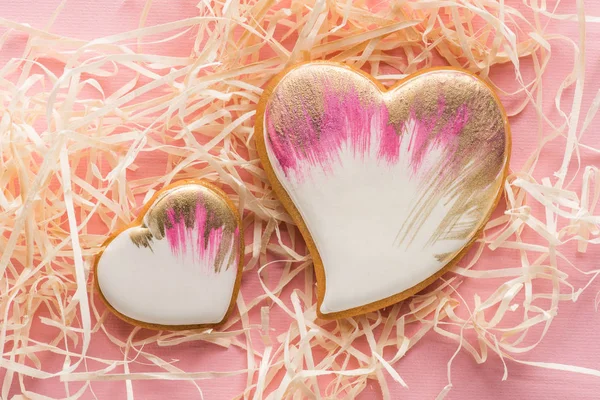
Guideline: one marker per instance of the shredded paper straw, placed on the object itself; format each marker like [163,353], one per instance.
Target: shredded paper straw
[70,151]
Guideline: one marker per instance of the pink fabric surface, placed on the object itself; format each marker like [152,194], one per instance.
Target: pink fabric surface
[572,338]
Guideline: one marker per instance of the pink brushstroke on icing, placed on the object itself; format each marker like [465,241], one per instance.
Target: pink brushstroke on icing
[418,140]
[346,120]
[214,241]
[389,144]
[287,159]
[176,233]
[446,137]
[203,246]
[351,118]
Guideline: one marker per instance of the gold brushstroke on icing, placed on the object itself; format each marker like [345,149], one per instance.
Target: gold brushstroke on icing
[141,237]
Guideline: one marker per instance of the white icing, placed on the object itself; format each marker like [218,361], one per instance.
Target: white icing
[155,286]
[354,214]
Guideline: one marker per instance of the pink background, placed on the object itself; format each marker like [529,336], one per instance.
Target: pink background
[573,337]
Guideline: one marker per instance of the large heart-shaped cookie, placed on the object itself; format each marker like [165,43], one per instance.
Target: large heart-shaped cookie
[388,187]
[179,264]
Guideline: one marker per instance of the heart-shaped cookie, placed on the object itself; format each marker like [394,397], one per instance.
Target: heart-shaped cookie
[179,264]
[388,187]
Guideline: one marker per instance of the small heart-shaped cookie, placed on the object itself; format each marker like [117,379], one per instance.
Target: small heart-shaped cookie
[388,187]
[179,264]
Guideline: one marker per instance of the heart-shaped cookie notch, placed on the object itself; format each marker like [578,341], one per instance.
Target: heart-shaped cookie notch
[388,187]
[179,264]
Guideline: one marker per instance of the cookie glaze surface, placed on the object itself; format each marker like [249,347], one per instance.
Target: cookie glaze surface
[179,266]
[390,186]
